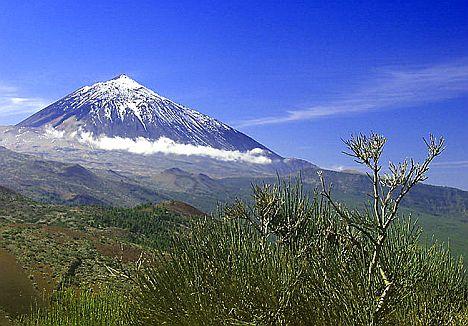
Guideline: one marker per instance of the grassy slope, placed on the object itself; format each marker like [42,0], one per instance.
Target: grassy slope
[54,246]
[48,240]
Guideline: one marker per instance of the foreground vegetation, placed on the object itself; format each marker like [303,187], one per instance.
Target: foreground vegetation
[227,272]
[288,258]
[82,307]
[302,267]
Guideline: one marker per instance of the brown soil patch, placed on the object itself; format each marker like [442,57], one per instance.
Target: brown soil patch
[181,208]
[74,234]
[115,250]
[17,291]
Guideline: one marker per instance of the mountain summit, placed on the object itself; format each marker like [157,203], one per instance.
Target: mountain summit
[122,107]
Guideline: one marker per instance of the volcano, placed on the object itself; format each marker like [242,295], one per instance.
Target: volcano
[121,107]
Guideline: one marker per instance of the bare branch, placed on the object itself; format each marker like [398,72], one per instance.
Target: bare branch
[388,190]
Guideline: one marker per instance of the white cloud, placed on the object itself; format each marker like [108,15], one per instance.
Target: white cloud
[451,164]
[167,146]
[11,103]
[54,133]
[392,88]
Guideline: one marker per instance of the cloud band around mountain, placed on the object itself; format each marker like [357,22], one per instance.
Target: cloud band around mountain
[162,145]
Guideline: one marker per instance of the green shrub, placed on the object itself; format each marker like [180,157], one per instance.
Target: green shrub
[289,259]
[73,307]
[226,272]
[223,272]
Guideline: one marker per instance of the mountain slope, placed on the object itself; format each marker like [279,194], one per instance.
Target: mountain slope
[68,183]
[122,107]
[39,142]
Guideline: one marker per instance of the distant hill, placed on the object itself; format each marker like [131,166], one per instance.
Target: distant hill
[68,183]
[181,208]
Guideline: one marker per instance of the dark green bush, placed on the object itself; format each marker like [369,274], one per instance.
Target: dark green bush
[291,260]
[226,271]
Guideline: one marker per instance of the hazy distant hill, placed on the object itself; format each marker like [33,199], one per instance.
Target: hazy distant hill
[67,183]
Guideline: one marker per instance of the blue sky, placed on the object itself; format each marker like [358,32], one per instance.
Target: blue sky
[295,75]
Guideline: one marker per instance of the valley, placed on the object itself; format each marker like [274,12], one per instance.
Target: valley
[113,175]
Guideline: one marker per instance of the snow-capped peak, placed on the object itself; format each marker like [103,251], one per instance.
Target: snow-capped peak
[121,76]
[124,81]
[123,107]
[120,84]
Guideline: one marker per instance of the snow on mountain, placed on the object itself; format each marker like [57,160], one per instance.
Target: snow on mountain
[121,107]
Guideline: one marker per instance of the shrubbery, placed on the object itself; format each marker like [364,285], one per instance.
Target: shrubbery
[293,258]
[71,307]
[147,225]
[228,272]
[290,259]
